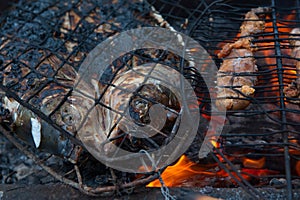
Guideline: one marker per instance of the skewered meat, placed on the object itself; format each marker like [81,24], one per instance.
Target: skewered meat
[293,90]
[235,77]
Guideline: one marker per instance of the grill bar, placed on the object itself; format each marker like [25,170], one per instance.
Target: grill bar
[211,23]
[297,10]
[282,105]
[274,77]
[194,26]
[247,187]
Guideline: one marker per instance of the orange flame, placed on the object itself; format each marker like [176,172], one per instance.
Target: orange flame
[256,164]
[298,167]
[176,174]
[180,173]
[184,169]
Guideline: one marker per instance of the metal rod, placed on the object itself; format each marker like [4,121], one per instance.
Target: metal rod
[282,105]
[297,11]
[243,183]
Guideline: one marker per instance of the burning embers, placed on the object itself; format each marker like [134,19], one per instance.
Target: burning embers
[186,173]
[293,90]
[255,158]
[254,145]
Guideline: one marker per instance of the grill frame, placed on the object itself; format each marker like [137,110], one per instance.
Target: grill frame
[166,8]
[282,108]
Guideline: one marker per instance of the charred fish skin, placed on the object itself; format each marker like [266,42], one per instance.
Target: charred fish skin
[138,98]
[39,54]
[293,89]
[43,55]
[34,131]
[233,80]
[41,71]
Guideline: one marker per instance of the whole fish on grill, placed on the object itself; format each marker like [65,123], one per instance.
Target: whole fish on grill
[139,99]
[293,89]
[40,67]
[235,78]
[42,44]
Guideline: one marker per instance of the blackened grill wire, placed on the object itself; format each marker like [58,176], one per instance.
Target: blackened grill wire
[220,40]
[26,103]
[259,101]
[63,61]
[240,180]
[297,11]
[89,43]
[282,104]
[53,52]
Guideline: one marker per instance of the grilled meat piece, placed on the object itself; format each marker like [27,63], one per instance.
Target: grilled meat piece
[235,77]
[293,89]
[239,60]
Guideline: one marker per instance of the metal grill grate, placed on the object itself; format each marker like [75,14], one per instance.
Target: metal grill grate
[270,115]
[43,43]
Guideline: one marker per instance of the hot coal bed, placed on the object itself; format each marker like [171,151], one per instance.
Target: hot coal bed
[43,44]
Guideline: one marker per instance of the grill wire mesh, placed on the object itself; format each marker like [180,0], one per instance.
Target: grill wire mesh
[275,122]
[42,40]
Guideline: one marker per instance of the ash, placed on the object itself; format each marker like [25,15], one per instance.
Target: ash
[16,168]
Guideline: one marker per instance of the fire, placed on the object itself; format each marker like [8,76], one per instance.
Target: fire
[175,175]
[267,49]
[256,164]
[184,170]
[298,168]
